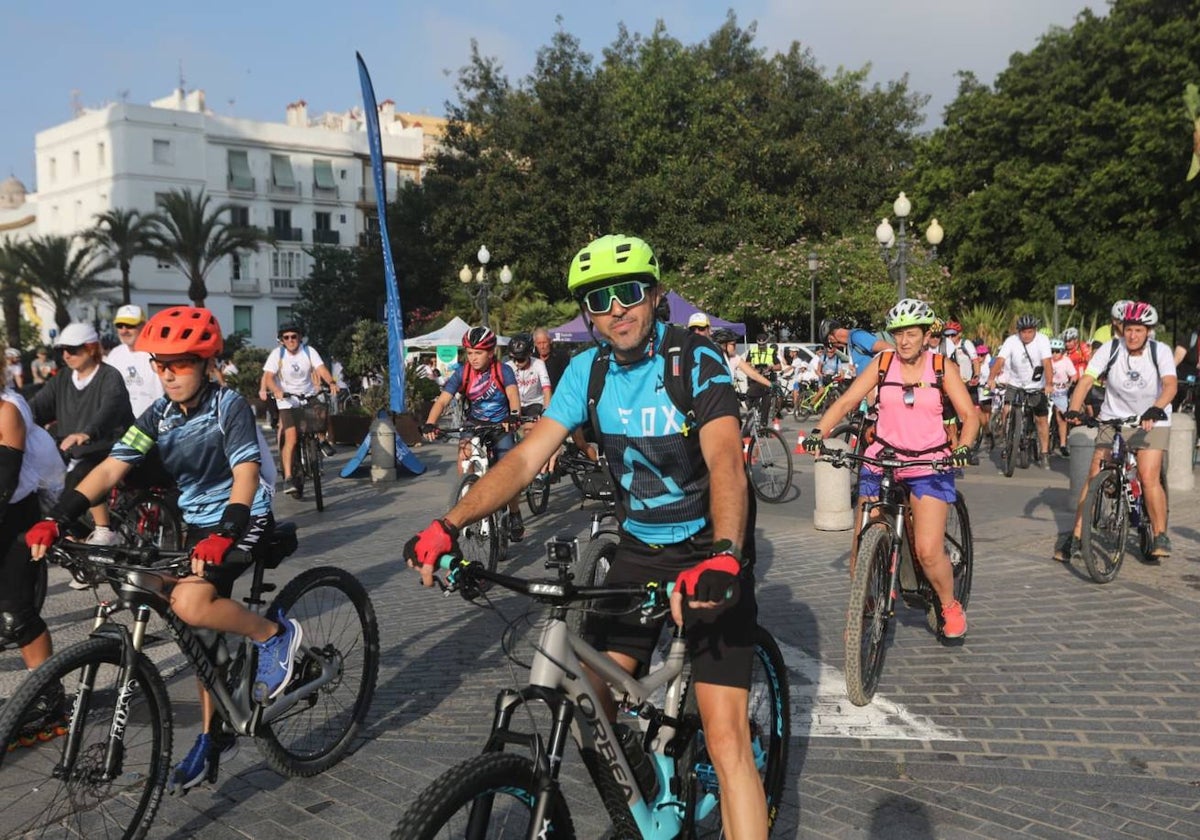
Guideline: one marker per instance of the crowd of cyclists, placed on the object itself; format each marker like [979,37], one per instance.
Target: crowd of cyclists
[655,401]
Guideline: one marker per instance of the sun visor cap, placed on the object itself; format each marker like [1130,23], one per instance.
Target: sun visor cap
[74,335]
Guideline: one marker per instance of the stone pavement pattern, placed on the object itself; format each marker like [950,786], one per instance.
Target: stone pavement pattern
[1072,710]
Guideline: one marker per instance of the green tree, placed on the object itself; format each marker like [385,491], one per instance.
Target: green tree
[63,271]
[12,287]
[194,235]
[124,235]
[344,287]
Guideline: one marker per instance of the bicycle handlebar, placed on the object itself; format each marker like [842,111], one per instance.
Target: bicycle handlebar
[839,457]
[1119,423]
[144,558]
[549,590]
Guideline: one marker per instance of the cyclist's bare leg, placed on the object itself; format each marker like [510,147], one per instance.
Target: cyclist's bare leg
[1093,470]
[1043,430]
[1149,467]
[37,651]
[100,515]
[287,450]
[929,529]
[197,603]
[725,713]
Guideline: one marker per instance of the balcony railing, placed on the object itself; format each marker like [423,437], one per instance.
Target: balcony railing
[246,287]
[368,239]
[285,286]
[284,234]
[326,237]
[283,192]
[241,185]
[324,193]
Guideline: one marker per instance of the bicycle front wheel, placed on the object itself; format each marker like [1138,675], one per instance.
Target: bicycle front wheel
[769,466]
[770,732]
[867,617]
[149,519]
[342,634]
[537,494]
[1008,455]
[56,785]
[592,571]
[313,456]
[479,541]
[488,796]
[1105,526]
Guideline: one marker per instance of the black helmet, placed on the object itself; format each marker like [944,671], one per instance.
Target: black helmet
[723,336]
[762,338]
[520,346]
[828,325]
[289,326]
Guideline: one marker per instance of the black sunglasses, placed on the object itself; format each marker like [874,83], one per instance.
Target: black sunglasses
[72,349]
[289,336]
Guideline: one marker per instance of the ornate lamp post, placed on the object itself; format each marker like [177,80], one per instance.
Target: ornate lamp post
[813,264]
[484,285]
[886,238]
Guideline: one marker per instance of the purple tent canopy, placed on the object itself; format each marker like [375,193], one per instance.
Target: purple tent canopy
[576,330]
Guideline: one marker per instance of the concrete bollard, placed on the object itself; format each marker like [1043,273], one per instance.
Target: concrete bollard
[831,496]
[383,451]
[1181,445]
[1081,440]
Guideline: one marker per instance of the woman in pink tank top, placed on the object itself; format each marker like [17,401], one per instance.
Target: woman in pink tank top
[910,423]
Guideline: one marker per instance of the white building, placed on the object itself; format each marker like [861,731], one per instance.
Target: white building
[307,181]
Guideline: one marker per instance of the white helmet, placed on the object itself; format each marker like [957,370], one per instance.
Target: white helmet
[1070,334]
[1118,309]
[1057,345]
[909,312]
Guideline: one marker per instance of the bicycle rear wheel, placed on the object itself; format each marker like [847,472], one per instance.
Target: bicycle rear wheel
[340,632]
[769,466]
[479,541]
[867,618]
[1105,526]
[493,794]
[770,732]
[1021,443]
[53,787]
[313,456]
[148,518]
[537,494]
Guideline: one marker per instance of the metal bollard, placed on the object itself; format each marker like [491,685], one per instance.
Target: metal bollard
[831,496]
[1081,440]
[383,451]
[1181,445]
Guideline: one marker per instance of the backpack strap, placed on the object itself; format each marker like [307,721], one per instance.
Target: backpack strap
[885,362]
[939,371]
[678,357]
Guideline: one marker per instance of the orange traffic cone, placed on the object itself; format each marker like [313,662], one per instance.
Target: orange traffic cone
[799,450]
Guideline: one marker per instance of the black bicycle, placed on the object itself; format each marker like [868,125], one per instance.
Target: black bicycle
[312,418]
[105,774]
[1020,446]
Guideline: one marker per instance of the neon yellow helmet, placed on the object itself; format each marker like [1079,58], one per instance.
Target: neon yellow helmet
[611,256]
[909,313]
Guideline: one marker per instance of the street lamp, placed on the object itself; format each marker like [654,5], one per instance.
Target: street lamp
[484,284]
[812,296]
[886,238]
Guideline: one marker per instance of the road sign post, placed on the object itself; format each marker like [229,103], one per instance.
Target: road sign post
[1064,295]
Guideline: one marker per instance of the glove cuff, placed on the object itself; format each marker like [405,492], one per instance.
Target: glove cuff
[234,521]
[450,529]
[70,506]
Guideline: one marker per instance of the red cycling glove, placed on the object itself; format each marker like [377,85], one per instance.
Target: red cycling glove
[714,579]
[212,549]
[44,533]
[427,547]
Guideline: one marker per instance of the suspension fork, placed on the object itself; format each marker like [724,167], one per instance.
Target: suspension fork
[126,685]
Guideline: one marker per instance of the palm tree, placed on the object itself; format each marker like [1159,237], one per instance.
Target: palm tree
[194,237]
[62,273]
[123,235]
[12,286]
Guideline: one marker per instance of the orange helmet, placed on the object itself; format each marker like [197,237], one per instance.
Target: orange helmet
[181,331]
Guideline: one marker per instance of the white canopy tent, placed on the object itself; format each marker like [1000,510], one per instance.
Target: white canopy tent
[451,334]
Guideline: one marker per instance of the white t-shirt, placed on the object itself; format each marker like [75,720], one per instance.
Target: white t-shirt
[531,381]
[42,467]
[1021,359]
[294,371]
[141,381]
[963,354]
[1132,385]
[1064,371]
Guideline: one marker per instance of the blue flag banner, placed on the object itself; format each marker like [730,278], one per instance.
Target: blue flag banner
[395,323]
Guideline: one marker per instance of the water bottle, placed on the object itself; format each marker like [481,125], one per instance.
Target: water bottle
[641,764]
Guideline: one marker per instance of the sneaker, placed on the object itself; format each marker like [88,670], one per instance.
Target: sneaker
[275,659]
[516,527]
[1161,547]
[1045,459]
[328,449]
[291,487]
[1064,451]
[103,535]
[1067,548]
[954,621]
[202,762]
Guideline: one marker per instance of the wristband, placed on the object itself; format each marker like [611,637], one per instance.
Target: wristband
[727,547]
[235,521]
[70,506]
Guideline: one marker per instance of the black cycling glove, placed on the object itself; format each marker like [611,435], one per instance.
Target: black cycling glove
[1154,413]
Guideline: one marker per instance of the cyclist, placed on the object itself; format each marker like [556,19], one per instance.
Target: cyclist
[490,392]
[1113,329]
[1064,378]
[42,367]
[909,407]
[831,365]
[293,368]
[860,344]
[1025,357]
[962,353]
[682,492]
[1140,380]
[985,393]
[210,444]
[765,360]
[13,369]
[533,380]
[140,381]
[1077,351]
[726,340]
[29,462]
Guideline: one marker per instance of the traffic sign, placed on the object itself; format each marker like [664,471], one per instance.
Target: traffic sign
[1064,295]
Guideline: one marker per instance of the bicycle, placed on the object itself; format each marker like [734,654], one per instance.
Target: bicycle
[1019,431]
[1113,503]
[885,567]
[109,773]
[147,516]
[486,540]
[767,458]
[656,784]
[312,418]
[815,402]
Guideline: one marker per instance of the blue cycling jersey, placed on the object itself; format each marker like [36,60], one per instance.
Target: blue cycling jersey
[660,475]
[859,347]
[486,402]
[199,449]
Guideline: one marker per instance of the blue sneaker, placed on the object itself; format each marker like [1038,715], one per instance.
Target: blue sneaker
[275,658]
[201,763]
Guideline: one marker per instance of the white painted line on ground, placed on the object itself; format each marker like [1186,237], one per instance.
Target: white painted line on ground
[821,709]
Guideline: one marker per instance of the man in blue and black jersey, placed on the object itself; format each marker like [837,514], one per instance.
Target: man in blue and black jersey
[681,492]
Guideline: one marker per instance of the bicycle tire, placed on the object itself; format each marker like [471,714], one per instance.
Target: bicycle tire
[313,451]
[770,734]
[537,495]
[1021,445]
[79,803]
[960,548]
[867,619]
[1008,453]
[592,570]
[338,618]
[770,466]
[1105,526]
[479,541]
[504,779]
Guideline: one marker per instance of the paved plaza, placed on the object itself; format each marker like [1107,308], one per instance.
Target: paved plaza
[1071,711]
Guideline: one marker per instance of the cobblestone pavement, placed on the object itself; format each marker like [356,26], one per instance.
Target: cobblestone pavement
[1072,710]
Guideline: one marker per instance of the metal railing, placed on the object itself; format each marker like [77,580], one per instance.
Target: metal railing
[326,237]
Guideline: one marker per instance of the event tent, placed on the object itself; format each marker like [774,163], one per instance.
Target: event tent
[451,334]
[576,330]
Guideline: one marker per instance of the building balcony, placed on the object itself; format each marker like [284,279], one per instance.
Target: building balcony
[326,237]
[245,287]
[277,191]
[285,287]
[283,234]
[368,239]
[242,186]
[366,194]
[324,193]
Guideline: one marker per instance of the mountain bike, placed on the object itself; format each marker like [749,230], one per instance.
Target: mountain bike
[652,769]
[312,418]
[485,541]
[105,775]
[885,567]
[1113,504]
[147,516]
[1020,445]
[767,458]
[815,402]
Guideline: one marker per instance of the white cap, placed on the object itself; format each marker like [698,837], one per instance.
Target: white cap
[698,319]
[12,353]
[130,313]
[74,335]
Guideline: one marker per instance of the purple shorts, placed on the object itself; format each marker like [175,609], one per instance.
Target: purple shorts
[939,485]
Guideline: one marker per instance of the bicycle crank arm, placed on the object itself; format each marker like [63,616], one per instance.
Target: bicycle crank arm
[330,670]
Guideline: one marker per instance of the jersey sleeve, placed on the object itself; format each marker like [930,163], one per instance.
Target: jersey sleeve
[1099,361]
[1166,360]
[543,374]
[314,358]
[507,376]
[141,437]
[712,386]
[272,364]
[569,406]
[453,382]
[237,424]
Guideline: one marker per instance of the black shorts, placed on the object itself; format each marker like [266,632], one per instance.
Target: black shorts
[225,575]
[721,651]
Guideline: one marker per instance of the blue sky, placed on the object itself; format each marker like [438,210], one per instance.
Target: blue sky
[253,57]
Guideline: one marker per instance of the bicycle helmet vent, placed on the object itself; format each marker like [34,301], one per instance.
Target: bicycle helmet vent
[479,338]
[615,255]
[520,346]
[1137,312]
[909,313]
[1027,322]
[181,331]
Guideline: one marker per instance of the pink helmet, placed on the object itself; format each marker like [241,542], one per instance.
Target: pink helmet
[1138,312]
